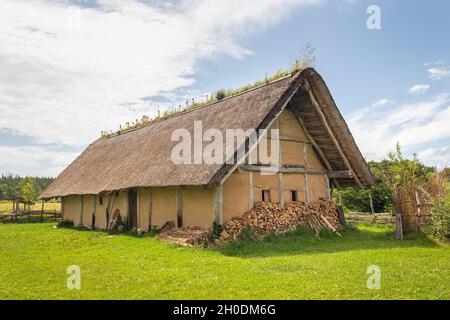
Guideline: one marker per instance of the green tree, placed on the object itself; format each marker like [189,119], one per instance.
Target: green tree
[29,189]
[388,173]
[9,186]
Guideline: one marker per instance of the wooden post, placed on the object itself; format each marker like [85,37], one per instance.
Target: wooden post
[62,208]
[138,209]
[150,209]
[281,189]
[94,210]
[81,210]
[327,183]
[179,205]
[218,204]
[305,176]
[372,210]
[42,210]
[250,190]
[398,217]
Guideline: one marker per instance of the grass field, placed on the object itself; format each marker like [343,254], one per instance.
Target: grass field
[6,206]
[34,259]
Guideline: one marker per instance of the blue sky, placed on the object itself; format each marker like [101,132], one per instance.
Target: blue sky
[73,68]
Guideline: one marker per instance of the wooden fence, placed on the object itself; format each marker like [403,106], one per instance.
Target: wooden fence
[30,216]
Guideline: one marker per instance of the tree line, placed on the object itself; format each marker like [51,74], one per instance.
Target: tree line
[29,188]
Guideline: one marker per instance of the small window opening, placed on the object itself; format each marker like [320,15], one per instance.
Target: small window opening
[294,195]
[265,195]
[100,200]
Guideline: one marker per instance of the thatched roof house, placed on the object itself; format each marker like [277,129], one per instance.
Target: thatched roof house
[134,172]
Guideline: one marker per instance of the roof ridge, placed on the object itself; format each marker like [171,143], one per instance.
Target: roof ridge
[200,107]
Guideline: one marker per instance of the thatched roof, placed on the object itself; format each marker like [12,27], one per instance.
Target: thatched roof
[141,158]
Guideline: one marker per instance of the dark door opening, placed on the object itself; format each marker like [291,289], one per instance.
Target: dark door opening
[294,195]
[132,205]
[265,194]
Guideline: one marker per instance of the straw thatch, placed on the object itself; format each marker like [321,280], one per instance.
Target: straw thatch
[141,158]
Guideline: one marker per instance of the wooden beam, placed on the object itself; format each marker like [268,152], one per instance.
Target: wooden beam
[62,208]
[340,174]
[250,190]
[179,205]
[138,208]
[281,188]
[327,127]
[150,200]
[282,169]
[81,210]
[327,183]
[218,203]
[127,208]
[306,187]
[291,139]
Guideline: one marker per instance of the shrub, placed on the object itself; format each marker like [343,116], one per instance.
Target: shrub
[440,215]
[65,224]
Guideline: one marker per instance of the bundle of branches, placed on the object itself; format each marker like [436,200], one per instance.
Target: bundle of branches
[185,236]
[269,218]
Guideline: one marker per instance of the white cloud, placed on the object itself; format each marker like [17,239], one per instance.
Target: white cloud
[419,89]
[377,131]
[438,73]
[62,82]
[439,157]
[30,160]
[382,103]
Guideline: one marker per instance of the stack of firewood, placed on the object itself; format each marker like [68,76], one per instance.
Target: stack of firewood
[185,236]
[269,218]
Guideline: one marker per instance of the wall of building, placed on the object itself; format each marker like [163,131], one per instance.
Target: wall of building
[197,205]
[163,206]
[235,195]
[292,153]
[100,211]
[72,209]
[88,210]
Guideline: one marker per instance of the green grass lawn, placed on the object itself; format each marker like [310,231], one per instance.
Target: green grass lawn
[34,259]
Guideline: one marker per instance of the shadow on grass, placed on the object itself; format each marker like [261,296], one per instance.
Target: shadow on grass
[304,242]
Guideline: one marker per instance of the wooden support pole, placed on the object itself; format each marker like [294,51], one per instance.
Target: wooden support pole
[62,208]
[327,184]
[372,210]
[94,210]
[42,210]
[179,205]
[218,203]
[138,209]
[281,188]
[398,217]
[150,201]
[250,190]
[306,187]
[81,210]
[127,208]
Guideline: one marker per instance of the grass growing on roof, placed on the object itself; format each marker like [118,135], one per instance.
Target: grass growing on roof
[34,259]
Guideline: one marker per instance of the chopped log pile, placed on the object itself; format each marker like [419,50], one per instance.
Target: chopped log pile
[266,218]
[269,218]
[186,236]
